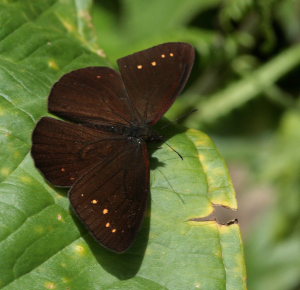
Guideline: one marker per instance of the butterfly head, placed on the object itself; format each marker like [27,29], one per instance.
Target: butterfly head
[146,133]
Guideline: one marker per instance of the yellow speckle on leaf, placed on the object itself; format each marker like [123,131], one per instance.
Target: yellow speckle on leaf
[218,171]
[17,154]
[66,280]
[25,179]
[5,171]
[70,27]
[50,285]
[201,156]
[39,229]
[101,52]
[218,253]
[202,143]
[80,249]
[224,229]
[2,112]
[60,218]
[53,64]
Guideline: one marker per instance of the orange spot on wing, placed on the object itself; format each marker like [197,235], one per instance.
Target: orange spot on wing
[113,230]
[139,66]
[107,225]
[153,63]
[105,211]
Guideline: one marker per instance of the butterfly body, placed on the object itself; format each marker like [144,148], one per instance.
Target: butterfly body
[100,151]
[144,132]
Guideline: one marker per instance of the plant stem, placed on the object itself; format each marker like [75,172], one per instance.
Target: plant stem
[246,89]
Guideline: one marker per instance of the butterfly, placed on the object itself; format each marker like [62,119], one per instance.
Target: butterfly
[100,151]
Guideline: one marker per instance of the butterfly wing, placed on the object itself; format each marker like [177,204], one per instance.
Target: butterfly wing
[154,77]
[94,95]
[65,151]
[111,198]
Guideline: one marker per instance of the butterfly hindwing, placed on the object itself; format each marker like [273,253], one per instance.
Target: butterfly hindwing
[64,151]
[111,198]
[155,76]
[94,95]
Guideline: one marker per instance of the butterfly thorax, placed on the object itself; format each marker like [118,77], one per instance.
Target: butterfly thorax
[144,132]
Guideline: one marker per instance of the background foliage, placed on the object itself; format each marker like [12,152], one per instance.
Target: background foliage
[246,89]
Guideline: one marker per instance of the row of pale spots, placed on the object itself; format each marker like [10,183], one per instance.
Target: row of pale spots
[105,211]
[154,63]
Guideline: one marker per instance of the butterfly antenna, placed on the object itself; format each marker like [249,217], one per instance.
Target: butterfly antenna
[187,114]
[182,117]
[177,120]
[174,150]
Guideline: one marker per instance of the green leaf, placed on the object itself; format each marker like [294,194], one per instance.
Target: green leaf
[43,245]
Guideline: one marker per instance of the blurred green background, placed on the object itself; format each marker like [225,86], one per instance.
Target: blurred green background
[246,87]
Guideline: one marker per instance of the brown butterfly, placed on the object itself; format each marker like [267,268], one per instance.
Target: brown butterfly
[102,154]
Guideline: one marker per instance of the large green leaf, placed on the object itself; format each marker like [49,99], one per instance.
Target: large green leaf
[43,246]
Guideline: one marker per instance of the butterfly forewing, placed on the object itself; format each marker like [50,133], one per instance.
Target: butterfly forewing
[111,198]
[93,95]
[154,77]
[65,151]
